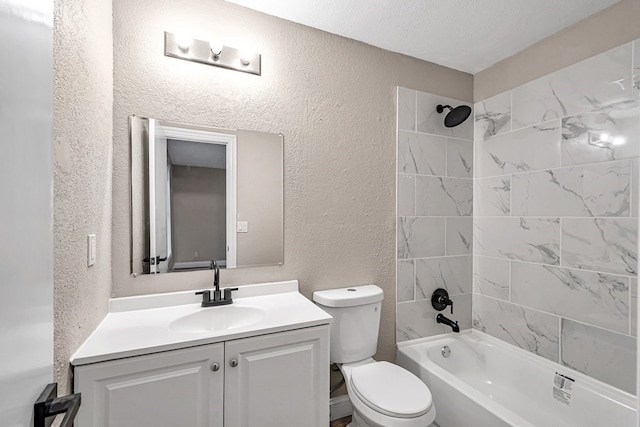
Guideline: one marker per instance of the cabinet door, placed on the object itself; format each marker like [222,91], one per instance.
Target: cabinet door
[279,380]
[174,388]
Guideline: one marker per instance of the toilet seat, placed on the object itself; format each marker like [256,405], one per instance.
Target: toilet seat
[391,390]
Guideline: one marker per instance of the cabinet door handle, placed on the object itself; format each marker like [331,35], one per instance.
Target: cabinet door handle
[233,363]
[215,367]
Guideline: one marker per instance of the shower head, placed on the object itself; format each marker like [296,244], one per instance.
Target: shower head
[455,116]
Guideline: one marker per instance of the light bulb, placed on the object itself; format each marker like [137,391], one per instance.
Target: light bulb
[619,140]
[184,43]
[216,48]
[245,57]
[604,137]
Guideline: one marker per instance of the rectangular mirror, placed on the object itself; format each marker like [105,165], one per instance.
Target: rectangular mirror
[199,193]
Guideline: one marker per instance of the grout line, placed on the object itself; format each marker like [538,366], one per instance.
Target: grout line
[511,110]
[415,279]
[560,322]
[554,168]
[510,195]
[552,265]
[552,217]
[560,243]
[510,264]
[582,322]
[415,111]
[630,308]
[445,235]
[446,157]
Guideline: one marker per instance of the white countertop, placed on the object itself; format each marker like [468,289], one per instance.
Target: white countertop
[140,325]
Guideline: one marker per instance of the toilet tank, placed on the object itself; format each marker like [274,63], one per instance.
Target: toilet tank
[356,320]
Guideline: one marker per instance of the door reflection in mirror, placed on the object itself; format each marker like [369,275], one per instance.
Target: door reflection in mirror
[194,192]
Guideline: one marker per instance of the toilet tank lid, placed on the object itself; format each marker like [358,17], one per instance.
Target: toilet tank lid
[348,297]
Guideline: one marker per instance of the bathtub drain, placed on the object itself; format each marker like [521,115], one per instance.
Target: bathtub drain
[446,351]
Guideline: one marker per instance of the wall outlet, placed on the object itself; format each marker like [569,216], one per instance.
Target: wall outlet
[243,227]
[91,250]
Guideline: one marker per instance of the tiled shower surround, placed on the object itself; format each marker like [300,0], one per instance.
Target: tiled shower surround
[555,218]
[435,202]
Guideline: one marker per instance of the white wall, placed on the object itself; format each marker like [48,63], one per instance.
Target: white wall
[26,218]
[82,130]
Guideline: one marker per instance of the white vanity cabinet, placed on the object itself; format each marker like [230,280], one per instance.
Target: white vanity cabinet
[267,380]
[173,388]
[278,380]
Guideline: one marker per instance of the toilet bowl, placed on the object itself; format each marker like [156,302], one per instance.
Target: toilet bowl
[385,395]
[382,394]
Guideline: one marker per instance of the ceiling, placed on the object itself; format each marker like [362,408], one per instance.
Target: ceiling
[467,35]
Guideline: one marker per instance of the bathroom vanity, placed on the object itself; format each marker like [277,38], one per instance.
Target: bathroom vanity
[163,360]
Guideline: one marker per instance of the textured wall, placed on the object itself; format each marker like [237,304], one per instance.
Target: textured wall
[82,133]
[435,189]
[556,215]
[332,98]
[612,27]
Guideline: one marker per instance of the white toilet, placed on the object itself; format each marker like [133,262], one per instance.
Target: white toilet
[382,394]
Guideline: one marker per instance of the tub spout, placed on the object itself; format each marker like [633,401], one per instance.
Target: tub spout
[441,319]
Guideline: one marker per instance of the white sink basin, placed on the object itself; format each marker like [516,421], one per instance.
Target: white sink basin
[218,318]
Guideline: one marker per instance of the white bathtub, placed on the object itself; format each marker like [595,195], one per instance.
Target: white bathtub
[487,383]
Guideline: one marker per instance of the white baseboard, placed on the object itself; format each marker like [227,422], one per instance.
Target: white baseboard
[339,407]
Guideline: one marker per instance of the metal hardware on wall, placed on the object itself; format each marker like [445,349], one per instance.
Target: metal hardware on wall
[49,405]
[211,53]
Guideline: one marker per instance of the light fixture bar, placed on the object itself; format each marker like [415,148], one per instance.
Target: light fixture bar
[201,51]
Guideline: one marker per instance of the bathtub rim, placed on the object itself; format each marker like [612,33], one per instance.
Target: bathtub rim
[605,390]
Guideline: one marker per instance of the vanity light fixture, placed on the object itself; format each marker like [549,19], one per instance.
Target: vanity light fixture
[211,53]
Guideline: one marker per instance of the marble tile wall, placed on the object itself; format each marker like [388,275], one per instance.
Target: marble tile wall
[435,207]
[555,215]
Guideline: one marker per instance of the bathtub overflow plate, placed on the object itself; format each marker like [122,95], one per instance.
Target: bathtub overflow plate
[446,351]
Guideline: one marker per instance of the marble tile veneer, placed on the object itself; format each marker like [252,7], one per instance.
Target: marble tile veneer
[420,237]
[526,239]
[531,330]
[434,208]
[459,236]
[491,277]
[596,298]
[492,196]
[555,215]
[442,196]
[450,273]
[604,355]
[582,137]
[532,148]
[601,244]
[421,154]
[492,116]
[594,190]
[589,85]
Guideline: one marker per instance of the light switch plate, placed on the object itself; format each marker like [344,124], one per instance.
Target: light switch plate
[91,250]
[243,227]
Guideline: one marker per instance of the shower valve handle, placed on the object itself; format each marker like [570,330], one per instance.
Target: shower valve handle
[440,300]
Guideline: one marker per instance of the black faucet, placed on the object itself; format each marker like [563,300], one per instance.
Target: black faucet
[218,297]
[454,325]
